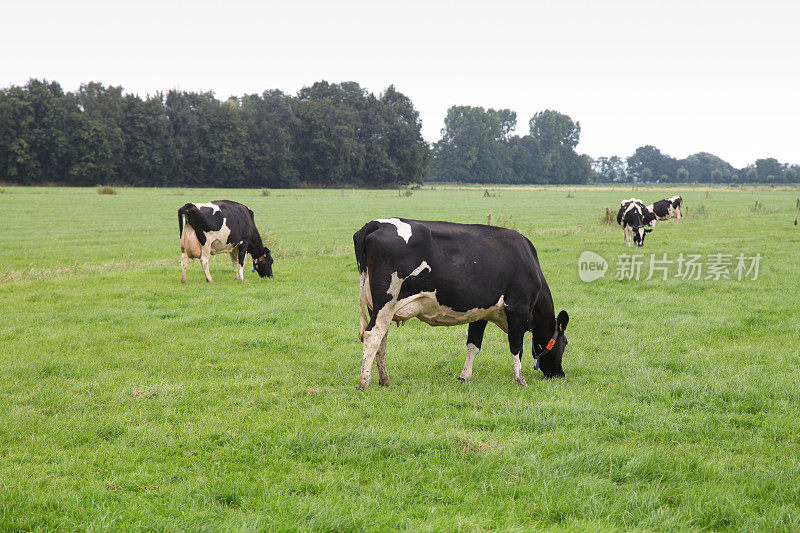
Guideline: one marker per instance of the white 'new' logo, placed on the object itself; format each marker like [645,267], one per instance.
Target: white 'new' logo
[591,266]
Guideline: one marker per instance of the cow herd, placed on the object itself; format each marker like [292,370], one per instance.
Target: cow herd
[638,219]
[444,274]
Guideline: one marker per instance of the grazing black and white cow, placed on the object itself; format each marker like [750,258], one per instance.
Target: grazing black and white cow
[668,208]
[221,226]
[634,217]
[447,274]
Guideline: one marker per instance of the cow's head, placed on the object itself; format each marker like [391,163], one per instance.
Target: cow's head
[635,220]
[263,264]
[549,359]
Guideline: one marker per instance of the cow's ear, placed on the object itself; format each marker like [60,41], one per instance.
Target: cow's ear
[562,320]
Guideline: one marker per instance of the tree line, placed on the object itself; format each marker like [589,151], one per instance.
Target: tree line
[477,146]
[325,135]
[647,164]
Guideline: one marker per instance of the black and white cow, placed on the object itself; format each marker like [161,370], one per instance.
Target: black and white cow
[447,274]
[668,208]
[221,226]
[635,217]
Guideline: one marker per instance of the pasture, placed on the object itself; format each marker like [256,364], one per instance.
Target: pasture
[131,402]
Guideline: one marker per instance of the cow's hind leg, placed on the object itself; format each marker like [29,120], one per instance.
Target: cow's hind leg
[380,358]
[474,339]
[184,264]
[517,326]
[204,258]
[374,335]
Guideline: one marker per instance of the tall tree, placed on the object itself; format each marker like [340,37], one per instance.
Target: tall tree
[473,145]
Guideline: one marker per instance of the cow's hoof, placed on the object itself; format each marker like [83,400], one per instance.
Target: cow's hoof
[459,378]
[384,383]
[362,385]
[183,282]
[521,381]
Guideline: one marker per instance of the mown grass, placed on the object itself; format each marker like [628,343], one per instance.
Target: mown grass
[129,401]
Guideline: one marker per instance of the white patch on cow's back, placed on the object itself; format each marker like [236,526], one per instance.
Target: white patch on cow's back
[634,205]
[403,228]
[214,207]
[630,200]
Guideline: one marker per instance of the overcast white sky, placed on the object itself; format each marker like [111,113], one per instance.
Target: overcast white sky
[686,76]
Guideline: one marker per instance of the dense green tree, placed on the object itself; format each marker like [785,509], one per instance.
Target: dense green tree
[146,137]
[408,153]
[702,164]
[473,145]
[650,157]
[770,169]
[18,159]
[554,130]
[271,129]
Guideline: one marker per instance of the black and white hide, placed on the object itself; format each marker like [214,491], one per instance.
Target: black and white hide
[217,227]
[668,208]
[636,221]
[447,274]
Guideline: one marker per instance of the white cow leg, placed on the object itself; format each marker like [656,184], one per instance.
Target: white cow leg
[372,343]
[380,357]
[517,322]
[517,364]
[235,261]
[466,372]
[184,264]
[204,258]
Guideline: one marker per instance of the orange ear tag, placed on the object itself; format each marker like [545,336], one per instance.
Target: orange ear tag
[551,344]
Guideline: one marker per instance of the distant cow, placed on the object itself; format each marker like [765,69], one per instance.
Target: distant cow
[447,274]
[221,226]
[634,217]
[668,208]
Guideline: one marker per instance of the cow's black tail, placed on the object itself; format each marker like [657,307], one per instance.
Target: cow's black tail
[359,239]
[193,218]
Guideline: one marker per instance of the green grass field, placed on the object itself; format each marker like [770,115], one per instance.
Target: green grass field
[131,402]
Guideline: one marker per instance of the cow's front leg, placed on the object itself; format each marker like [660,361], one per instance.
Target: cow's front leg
[517,326]
[242,255]
[380,358]
[474,340]
[204,259]
[184,264]
[235,262]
